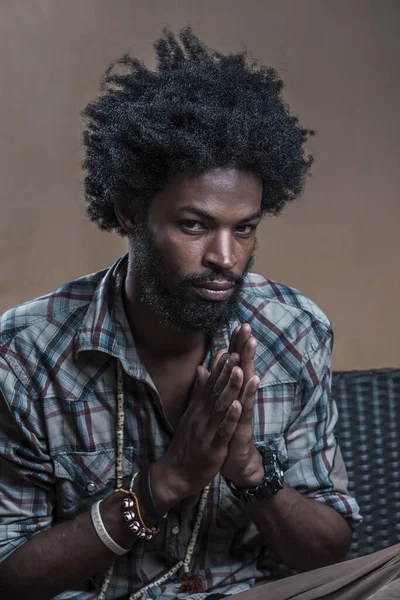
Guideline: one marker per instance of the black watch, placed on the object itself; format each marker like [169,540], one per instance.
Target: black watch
[270,484]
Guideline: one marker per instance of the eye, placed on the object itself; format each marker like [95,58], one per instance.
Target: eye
[193,226]
[245,230]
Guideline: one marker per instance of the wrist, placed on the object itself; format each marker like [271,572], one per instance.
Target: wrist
[252,473]
[168,487]
[112,511]
[271,483]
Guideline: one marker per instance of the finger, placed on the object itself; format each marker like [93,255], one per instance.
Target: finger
[218,356]
[247,400]
[230,392]
[205,378]
[217,369]
[217,387]
[200,382]
[232,344]
[243,337]
[228,426]
[247,358]
[239,337]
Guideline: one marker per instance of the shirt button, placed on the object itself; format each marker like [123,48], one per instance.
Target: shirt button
[90,488]
[175,530]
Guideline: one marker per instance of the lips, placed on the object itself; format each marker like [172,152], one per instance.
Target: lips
[215,285]
[216,291]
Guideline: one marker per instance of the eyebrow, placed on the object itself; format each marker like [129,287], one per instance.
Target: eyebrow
[205,215]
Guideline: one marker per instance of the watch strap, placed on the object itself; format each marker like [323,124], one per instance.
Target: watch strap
[271,483]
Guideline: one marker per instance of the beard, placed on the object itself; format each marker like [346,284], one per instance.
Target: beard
[174,309]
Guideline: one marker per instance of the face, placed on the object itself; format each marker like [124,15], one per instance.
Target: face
[197,243]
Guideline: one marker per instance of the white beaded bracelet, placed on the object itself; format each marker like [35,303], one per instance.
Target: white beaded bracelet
[102,531]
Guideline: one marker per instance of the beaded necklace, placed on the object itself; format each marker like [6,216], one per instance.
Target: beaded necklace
[185,563]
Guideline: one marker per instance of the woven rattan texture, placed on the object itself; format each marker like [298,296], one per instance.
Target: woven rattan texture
[369,435]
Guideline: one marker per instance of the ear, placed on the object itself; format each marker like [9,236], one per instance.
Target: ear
[129,215]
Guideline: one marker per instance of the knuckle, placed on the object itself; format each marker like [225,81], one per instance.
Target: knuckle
[234,382]
[220,406]
[222,433]
[221,362]
[226,371]
[216,392]
[223,357]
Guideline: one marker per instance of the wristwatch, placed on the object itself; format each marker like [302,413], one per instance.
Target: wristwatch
[270,484]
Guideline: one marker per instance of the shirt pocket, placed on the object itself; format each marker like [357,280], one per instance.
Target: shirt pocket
[84,477]
[273,407]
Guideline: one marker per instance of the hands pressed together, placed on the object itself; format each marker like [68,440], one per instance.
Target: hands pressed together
[215,434]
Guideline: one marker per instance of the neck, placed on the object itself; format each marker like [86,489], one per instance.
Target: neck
[152,337]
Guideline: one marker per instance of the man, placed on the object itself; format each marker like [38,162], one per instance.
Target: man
[176,373]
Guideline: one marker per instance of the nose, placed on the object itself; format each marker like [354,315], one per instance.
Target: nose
[220,252]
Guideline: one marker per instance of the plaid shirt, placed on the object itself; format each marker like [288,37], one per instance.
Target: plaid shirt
[58,359]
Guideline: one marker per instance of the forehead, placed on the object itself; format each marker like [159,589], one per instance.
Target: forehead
[222,193]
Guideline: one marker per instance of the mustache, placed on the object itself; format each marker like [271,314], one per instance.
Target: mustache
[195,278]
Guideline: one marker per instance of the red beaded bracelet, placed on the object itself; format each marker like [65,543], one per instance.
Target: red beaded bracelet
[134,518]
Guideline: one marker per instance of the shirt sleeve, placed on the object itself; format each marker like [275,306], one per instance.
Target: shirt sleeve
[26,472]
[315,464]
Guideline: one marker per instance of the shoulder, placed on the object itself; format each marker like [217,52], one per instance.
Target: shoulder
[288,326]
[26,329]
[65,300]
[265,293]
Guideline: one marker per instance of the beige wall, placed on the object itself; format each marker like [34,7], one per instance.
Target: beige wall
[340,60]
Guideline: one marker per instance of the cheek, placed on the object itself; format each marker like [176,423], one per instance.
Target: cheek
[177,262]
[244,251]
[185,254]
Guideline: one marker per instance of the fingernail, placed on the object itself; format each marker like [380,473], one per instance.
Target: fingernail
[236,371]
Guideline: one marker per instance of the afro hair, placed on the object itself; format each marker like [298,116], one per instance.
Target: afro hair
[198,110]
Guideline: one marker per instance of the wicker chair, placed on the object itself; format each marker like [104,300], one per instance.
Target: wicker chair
[369,435]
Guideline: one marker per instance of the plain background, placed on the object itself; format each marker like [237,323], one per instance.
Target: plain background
[340,61]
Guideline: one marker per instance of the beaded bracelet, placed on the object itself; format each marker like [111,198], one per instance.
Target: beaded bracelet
[134,518]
